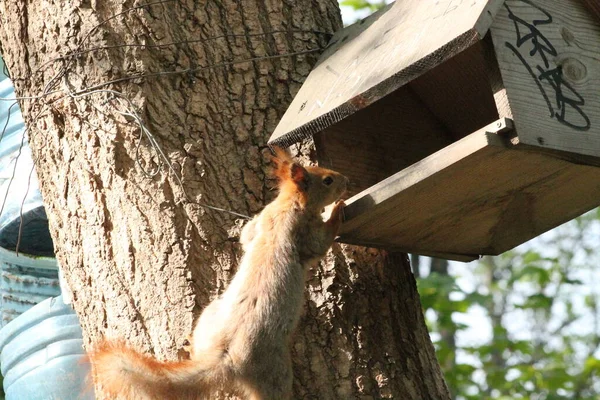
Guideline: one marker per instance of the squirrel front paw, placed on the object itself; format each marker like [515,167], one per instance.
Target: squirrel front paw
[336,217]
[338,211]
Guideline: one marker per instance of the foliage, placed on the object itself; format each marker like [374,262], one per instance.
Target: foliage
[363,4]
[353,10]
[524,325]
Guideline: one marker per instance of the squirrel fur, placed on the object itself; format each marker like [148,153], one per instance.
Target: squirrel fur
[240,342]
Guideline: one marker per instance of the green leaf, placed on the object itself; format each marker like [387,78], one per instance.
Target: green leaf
[572,281]
[532,273]
[363,4]
[531,256]
[537,301]
[592,364]
[356,4]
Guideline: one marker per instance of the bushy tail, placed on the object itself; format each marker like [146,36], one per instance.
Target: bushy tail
[128,375]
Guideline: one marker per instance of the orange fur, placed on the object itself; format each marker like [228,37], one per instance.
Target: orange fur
[125,373]
[241,339]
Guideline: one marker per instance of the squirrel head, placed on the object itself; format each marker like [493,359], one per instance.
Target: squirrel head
[316,187]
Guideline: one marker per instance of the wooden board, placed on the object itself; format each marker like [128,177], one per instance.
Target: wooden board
[458,92]
[387,136]
[376,56]
[411,123]
[495,78]
[482,195]
[549,57]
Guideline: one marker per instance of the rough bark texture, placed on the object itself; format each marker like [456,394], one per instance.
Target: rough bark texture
[139,258]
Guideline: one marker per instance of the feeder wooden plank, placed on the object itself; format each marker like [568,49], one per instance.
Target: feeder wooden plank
[481,195]
[495,78]
[461,83]
[387,136]
[412,122]
[372,58]
[549,57]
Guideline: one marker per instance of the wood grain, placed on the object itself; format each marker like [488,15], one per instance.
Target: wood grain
[376,56]
[445,104]
[481,195]
[382,139]
[551,72]
[458,92]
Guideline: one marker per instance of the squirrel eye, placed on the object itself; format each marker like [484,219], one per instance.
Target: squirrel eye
[328,181]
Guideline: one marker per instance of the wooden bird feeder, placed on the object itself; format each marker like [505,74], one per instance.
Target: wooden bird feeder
[467,127]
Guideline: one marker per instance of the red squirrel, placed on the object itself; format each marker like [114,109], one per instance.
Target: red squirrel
[241,340]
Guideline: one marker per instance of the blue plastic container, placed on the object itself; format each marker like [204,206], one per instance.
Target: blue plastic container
[41,350]
[24,282]
[42,356]
[20,198]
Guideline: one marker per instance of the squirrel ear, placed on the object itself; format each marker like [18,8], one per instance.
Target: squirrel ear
[286,168]
[299,175]
[283,162]
[281,156]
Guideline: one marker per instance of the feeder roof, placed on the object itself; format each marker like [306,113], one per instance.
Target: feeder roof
[379,54]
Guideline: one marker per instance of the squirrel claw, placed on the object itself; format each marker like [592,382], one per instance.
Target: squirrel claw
[337,216]
[338,210]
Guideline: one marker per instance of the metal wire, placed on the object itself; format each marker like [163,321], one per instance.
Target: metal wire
[127,107]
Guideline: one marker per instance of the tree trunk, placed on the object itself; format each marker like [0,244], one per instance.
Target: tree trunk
[139,254]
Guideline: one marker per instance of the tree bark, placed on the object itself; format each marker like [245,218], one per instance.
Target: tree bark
[140,258]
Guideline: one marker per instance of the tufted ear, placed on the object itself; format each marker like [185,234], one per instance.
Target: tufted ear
[282,156]
[299,175]
[282,161]
[286,169]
